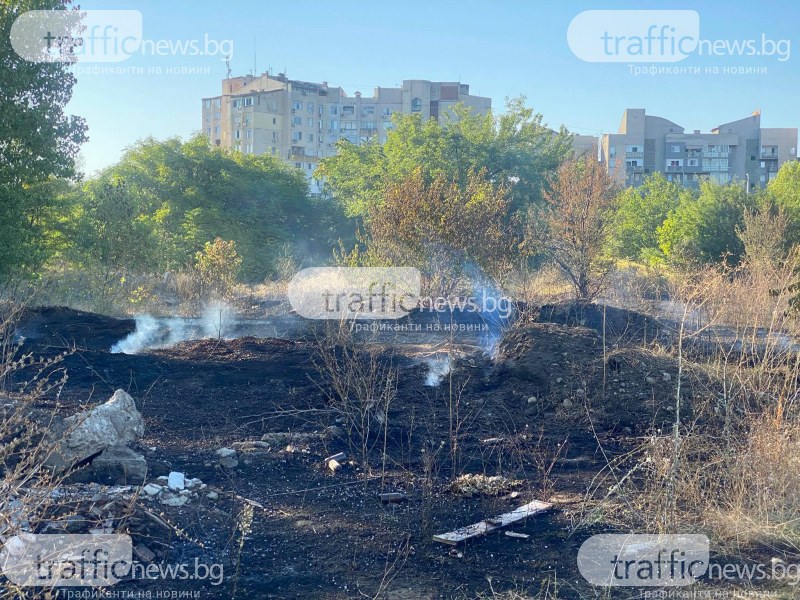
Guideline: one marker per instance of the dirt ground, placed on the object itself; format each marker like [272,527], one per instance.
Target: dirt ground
[538,414]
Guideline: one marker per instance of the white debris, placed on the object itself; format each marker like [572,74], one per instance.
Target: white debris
[176,481]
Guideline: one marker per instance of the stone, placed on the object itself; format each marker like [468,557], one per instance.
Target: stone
[650,380]
[152,489]
[176,481]
[212,496]
[567,403]
[174,500]
[115,465]
[82,436]
[228,458]
[665,376]
[533,400]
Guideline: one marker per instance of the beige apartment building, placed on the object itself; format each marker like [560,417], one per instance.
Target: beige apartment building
[741,150]
[301,121]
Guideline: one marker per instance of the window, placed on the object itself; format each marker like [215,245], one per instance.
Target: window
[334,110]
[208,132]
[692,162]
[274,121]
[310,137]
[206,103]
[310,121]
[217,116]
[632,149]
[612,152]
[321,110]
[248,101]
[248,134]
[237,122]
[348,111]
[217,102]
[416,105]
[333,126]
[297,105]
[216,130]
[237,134]
[369,110]
[310,108]
[676,149]
[297,121]
[297,136]
[237,103]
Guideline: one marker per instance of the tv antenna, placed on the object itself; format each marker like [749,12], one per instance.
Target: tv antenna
[228,65]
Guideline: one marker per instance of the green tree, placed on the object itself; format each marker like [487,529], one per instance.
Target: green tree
[638,214]
[163,201]
[514,150]
[704,229]
[784,190]
[38,141]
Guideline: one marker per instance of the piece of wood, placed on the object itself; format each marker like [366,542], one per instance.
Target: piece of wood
[392,497]
[464,533]
[519,536]
[338,457]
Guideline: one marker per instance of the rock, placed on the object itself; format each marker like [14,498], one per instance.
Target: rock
[212,496]
[86,434]
[174,500]
[580,392]
[533,400]
[650,380]
[228,458]
[194,482]
[115,465]
[176,481]
[567,403]
[152,489]
[665,376]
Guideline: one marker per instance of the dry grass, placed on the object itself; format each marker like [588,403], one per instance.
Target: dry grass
[732,470]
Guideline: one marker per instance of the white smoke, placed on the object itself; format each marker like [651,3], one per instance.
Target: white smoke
[438,368]
[217,322]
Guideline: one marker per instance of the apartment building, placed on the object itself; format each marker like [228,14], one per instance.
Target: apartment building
[740,150]
[301,121]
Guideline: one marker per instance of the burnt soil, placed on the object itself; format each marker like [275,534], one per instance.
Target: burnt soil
[548,411]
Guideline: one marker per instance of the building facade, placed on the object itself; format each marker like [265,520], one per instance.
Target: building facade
[301,121]
[741,150]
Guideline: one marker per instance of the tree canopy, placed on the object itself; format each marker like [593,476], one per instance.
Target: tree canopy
[514,150]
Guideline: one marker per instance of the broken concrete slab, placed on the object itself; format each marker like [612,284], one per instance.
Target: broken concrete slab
[464,533]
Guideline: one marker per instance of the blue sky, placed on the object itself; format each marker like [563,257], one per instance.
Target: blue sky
[500,48]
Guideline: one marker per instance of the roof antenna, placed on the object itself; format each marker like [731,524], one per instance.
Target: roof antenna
[255,54]
[228,65]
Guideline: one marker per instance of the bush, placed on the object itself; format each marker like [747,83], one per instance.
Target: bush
[217,267]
